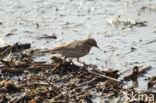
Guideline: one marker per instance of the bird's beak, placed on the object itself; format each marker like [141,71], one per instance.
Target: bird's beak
[97,47]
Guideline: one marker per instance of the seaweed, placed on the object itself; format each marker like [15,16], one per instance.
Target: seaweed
[59,80]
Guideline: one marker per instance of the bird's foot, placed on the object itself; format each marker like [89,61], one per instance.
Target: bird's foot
[70,60]
[85,65]
[64,61]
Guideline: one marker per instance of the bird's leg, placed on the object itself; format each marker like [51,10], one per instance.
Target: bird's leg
[84,64]
[64,59]
[71,61]
[80,61]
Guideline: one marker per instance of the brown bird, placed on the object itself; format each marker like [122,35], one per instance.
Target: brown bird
[75,49]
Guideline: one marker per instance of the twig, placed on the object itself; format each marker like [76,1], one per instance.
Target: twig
[88,82]
[110,78]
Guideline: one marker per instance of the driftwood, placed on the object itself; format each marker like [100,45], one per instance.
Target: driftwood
[48,37]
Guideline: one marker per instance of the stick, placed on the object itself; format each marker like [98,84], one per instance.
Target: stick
[110,78]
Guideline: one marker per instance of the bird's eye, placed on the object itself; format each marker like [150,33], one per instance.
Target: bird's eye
[91,42]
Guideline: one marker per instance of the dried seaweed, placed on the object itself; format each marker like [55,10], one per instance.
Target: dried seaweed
[59,81]
[13,48]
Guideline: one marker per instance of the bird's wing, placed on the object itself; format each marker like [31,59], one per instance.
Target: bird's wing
[53,50]
[62,48]
[69,44]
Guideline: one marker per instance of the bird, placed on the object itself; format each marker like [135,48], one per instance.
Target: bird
[74,49]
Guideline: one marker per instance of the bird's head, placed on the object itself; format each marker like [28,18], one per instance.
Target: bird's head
[91,42]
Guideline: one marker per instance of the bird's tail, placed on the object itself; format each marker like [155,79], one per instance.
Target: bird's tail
[52,51]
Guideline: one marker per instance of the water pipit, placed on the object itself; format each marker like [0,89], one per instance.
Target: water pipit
[75,49]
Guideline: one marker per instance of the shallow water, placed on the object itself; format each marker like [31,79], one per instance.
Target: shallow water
[24,21]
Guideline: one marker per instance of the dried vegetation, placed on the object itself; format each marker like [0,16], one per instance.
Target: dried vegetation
[23,80]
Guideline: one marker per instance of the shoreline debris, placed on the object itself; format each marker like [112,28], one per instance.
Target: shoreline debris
[59,81]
